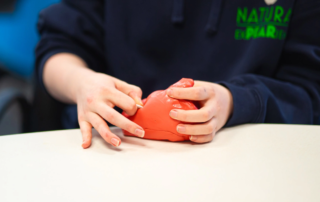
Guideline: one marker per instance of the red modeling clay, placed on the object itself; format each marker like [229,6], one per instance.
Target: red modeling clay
[154,116]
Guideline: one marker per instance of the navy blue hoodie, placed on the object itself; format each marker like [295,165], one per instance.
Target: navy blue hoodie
[266,52]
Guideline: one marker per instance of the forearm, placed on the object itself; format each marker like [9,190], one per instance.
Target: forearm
[259,99]
[62,75]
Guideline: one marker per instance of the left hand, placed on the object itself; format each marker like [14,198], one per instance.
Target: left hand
[216,106]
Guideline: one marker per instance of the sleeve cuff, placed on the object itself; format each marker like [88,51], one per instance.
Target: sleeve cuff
[40,68]
[247,105]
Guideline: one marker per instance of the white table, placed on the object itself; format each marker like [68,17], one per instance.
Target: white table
[247,163]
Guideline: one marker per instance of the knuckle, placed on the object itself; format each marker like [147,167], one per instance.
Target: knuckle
[206,115]
[110,104]
[89,99]
[212,91]
[86,114]
[106,90]
[176,92]
[104,133]
[110,117]
[204,89]
[212,112]
[183,116]
[100,127]
[123,82]
[210,128]
[129,127]
[131,105]
[206,138]
[81,117]
[197,93]
[207,91]
[126,126]
[138,90]
[209,138]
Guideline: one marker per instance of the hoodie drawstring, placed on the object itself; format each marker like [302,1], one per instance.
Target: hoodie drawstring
[178,14]
[212,25]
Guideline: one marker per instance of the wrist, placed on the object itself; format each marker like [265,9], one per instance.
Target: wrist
[228,100]
[230,107]
[78,80]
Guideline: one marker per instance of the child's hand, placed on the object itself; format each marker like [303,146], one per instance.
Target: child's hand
[68,79]
[216,107]
[96,96]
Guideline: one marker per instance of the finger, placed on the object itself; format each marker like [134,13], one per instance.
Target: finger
[136,94]
[119,120]
[128,88]
[86,130]
[136,98]
[202,138]
[135,89]
[123,101]
[194,116]
[194,93]
[198,129]
[103,129]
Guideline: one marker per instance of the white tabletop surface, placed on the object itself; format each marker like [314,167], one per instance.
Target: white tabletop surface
[250,163]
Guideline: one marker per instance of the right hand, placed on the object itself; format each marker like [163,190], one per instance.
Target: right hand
[96,96]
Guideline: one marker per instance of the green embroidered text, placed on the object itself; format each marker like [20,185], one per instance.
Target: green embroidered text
[264,22]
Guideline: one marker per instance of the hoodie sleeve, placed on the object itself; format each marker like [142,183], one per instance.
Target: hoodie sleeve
[293,94]
[72,26]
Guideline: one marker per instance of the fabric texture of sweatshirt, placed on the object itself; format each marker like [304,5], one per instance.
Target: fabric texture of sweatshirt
[266,52]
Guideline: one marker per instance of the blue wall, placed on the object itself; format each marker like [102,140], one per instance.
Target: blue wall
[18,36]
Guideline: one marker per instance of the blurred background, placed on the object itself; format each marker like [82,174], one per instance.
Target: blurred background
[19,95]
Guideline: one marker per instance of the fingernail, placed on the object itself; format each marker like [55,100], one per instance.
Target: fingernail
[174,114]
[139,106]
[181,129]
[169,92]
[138,101]
[139,132]
[115,142]
[193,138]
